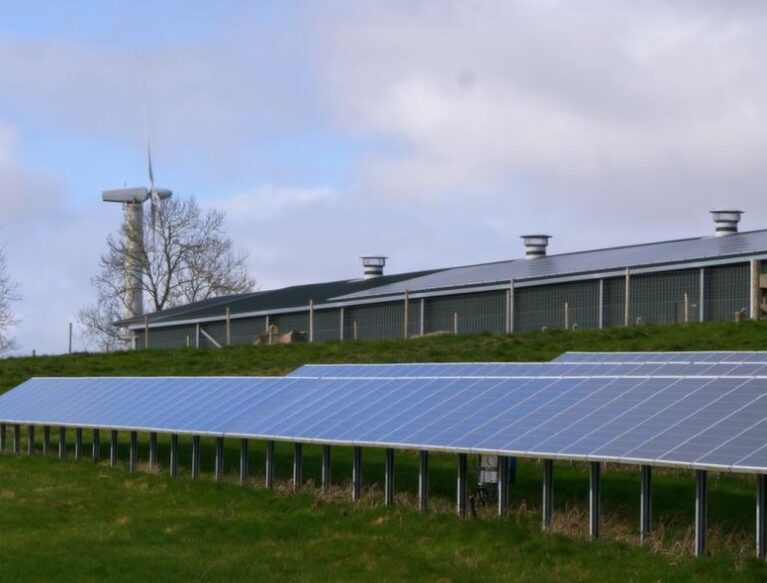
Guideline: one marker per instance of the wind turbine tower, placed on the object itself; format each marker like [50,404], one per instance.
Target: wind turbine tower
[133,199]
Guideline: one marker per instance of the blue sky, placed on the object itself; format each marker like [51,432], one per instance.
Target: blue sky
[436,133]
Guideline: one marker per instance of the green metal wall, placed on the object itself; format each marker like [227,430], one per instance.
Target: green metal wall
[726,291]
[373,321]
[659,298]
[298,321]
[614,301]
[477,312]
[175,337]
[247,330]
[327,325]
[543,306]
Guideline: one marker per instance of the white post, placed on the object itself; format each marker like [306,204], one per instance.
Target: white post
[754,304]
[567,316]
[627,299]
[70,338]
[686,307]
[455,323]
[601,314]
[311,320]
[423,316]
[197,336]
[701,297]
[341,325]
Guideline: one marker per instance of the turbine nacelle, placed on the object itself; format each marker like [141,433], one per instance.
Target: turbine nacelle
[134,194]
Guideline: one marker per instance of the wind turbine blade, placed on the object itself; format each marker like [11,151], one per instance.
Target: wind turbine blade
[148,152]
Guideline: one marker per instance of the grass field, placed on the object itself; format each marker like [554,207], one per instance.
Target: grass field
[76,520]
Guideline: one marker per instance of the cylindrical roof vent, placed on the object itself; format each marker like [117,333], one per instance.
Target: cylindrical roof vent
[373,265]
[726,221]
[535,245]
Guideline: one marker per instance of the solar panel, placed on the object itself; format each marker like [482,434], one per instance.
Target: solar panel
[704,422]
[680,357]
[513,369]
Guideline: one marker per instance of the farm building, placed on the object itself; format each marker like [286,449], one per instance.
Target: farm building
[716,277]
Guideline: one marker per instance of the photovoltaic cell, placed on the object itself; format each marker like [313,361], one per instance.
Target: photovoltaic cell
[678,357]
[696,421]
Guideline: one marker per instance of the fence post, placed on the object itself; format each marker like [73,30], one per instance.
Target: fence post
[455,323]
[701,302]
[228,327]
[311,320]
[567,316]
[341,324]
[686,307]
[422,317]
[754,290]
[355,329]
[627,299]
[70,338]
[601,307]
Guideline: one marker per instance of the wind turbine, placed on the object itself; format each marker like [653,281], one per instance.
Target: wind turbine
[133,199]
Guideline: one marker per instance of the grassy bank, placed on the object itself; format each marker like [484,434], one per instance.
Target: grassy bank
[66,520]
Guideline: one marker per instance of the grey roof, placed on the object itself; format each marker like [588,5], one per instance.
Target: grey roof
[583,262]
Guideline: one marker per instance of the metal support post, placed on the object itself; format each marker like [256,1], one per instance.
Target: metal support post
[761,516]
[298,465]
[113,448]
[173,470]
[62,442]
[701,511]
[461,489]
[503,485]
[78,443]
[326,476]
[195,457]
[2,436]
[423,481]
[406,330]
[645,505]
[16,438]
[269,464]
[389,478]
[548,493]
[356,473]
[46,439]
[96,446]
[133,452]
[595,483]
[341,324]
[754,290]
[228,327]
[627,299]
[244,465]
[30,440]
[311,320]
[701,294]
[422,317]
[153,450]
[219,467]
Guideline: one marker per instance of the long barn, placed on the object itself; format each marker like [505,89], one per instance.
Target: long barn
[716,277]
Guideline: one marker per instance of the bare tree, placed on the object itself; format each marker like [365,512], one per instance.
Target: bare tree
[186,257]
[8,295]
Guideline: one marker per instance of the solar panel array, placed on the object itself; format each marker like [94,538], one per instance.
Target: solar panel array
[688,357]
[714,423]
[542,369]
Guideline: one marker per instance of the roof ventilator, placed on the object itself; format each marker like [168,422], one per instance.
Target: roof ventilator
[374,265]
[535,245]
[726,221]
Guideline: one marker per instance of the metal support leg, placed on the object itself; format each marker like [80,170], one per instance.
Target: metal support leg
[761,516]
[173,455]
[701,511]
[298,465]
[16,438]
[356,473]
[503,485]
[30,440]
[96,446]
[133,456]
[113,448]
[78,443]
[269,464]
[595,484]
[219,467]
[195,457]
[46,439]
[2,437]
[326,468]
[244,462]
[153,451]
[512,465]
[62,442]
[645,505]
[389,478]
[548,493]
[461,489]
[423,481]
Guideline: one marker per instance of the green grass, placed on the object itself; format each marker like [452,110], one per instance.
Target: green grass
[75,520]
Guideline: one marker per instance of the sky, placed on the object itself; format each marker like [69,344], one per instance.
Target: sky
[433,132]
